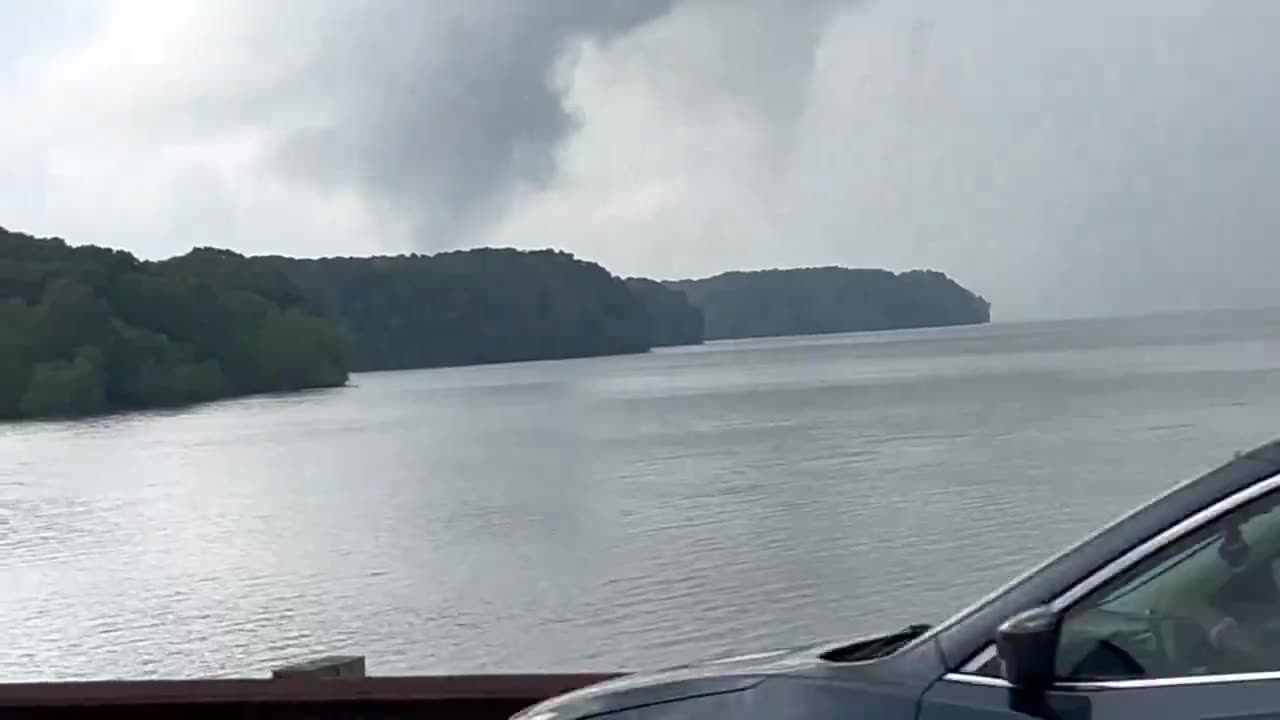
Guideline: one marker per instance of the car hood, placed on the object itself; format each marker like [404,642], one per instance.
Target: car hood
[714,677]
[677,683]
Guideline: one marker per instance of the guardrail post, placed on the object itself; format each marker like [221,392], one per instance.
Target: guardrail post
[331,666]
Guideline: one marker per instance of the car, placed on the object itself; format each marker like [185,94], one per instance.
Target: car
[1171,612]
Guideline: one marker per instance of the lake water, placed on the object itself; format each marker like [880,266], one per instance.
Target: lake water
[610,513]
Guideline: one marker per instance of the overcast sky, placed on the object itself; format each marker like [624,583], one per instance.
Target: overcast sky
[1070,158]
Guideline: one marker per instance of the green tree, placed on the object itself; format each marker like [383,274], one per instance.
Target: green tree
[296,350]
[87,329]
[59,387]
[475,306]
[675,320]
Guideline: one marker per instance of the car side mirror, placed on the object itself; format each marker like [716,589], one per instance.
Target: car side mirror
[1027,644]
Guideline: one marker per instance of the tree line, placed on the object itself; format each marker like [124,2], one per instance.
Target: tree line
[473,307]
[809,301]
[85,329]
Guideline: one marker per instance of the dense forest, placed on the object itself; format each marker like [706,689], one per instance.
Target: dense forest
[87,329]
[676,321]
[829,300]
[474,306]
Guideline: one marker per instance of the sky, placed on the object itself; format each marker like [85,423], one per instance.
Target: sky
[1062,159]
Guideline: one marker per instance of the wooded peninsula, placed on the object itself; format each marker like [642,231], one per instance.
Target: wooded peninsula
[85,329]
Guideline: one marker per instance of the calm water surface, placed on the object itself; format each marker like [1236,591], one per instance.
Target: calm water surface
[606,513]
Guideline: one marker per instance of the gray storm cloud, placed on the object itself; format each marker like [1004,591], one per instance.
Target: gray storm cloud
[441,113]
[429,114]
[1077,158]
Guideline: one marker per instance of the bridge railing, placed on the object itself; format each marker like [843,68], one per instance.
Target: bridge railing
[478,697]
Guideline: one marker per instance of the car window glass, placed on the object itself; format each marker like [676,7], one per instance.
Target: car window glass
[1206,604]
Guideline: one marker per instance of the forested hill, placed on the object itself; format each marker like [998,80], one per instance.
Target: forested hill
[829,300]
[87,329]
[474,306]
[676,321]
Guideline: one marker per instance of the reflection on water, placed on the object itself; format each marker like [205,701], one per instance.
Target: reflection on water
[606,513]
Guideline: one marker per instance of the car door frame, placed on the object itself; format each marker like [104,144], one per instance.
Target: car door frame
[968,673]
[964,634]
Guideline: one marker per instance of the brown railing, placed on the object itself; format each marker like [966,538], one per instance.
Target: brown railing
[474,697]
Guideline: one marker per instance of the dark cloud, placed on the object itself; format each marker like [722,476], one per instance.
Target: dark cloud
[438,114]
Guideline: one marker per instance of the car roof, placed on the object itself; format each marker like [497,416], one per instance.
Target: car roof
[972,629]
